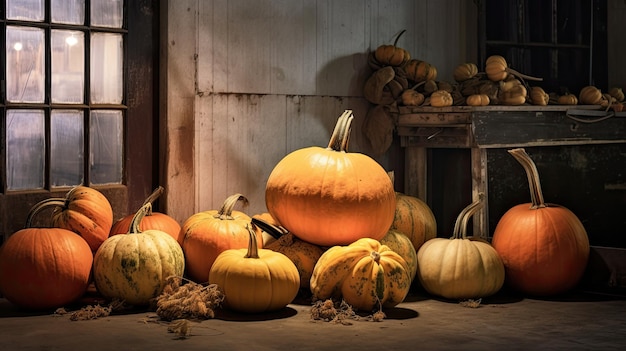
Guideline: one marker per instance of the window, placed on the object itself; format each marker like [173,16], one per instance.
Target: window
[64,75]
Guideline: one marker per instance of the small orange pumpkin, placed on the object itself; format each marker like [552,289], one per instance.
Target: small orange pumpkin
[567,99]
[590,95]
[497,69]
[392,55]
[538,96]
[441,98]
[419,71]
[477,100]
[465,71]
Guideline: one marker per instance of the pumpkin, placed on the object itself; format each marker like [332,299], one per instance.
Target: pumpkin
[44,268]
[413,218]
[134,267]
[590,95]
[392,55]
[516,95]
[411,97]
[544,247]
[497,69]
[402,245]
[420,71]
[365,274]
[441,98]
[567,99]
[207,234]
[465,71]
[617,93]
[330,196]
[460,267]
[538,96]
[477,100]
[85,211]
[269,236]
[255,280]
[152,220]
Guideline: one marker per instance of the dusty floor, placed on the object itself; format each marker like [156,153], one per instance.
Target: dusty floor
[580,320]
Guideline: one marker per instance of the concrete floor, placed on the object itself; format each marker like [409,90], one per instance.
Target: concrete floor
[576,321]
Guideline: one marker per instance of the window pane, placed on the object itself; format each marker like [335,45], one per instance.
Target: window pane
[106,146]
[67,11]
[28,10]
[25,149]
[25,64]
[67,154]
[68,66]
[106,68]
[107,13]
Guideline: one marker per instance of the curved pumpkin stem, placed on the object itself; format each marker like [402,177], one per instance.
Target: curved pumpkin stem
[522,75]
[136,221]
[226,211]
[341,134]
[536,195]
[153,197]
[460,225]
[275,231]
[253,250]
[395,42]
[41,205]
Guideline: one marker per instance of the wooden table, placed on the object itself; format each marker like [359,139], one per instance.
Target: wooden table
[482,128]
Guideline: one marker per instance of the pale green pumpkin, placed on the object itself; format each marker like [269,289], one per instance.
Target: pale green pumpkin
[134,267]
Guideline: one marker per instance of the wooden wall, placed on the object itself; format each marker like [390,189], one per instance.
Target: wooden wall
[247,82]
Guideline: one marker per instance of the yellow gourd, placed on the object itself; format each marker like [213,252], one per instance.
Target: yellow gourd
[441,98]
[477,100]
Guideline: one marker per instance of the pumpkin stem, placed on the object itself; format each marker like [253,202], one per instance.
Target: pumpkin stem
[153,197]
[341,134]
[225,213]
[273,230]
[536,195]
[136,221]
[253,250]
[40,206]
[395,42]
[460,225]
[375,255]
[522,75]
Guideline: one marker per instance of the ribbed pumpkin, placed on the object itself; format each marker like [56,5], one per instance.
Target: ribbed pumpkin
[538,96]
[412,97]
[420,71]
[330,196]
[392,55]
[207,234]
[255,280]
[497,69]
[44,268]
[544,247]
[85,211]
[617,93]
[402,245]
[567,99]
[465,71]
[478,100]
[133,267]
[461,267]
[152,220]
[365,274]
[514,96]
[590,95]
[414,219]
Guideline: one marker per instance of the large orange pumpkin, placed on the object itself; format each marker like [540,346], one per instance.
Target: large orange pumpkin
[44,268]
[544,247]
[328,196]
[207,234]
[151,221]
[85,211]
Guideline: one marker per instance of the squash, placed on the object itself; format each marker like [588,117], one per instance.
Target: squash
[617,93]
[420,71]
[538,96]
[465,71]
[514,96]
[567,99]
[477,100]
[207,234]
[134,267]
[304,255]
[392,55]
[412,97]
[497,69]
[460,267]
[44,268]
[544,247]
[402,245]
[255,280]
[152,220]
[441,98]
[590,95]
[330,196]
[85,211]
[365,274]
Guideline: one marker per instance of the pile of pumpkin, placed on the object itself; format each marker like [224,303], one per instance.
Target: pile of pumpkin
[335,227]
